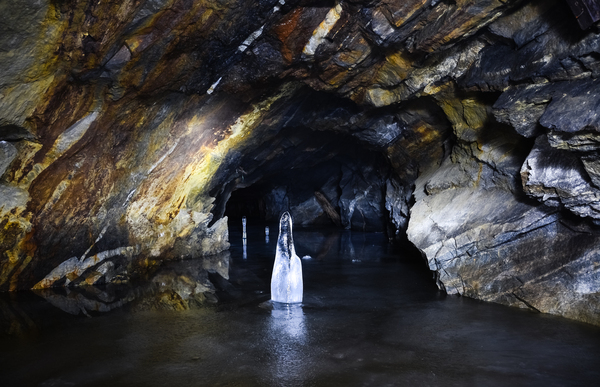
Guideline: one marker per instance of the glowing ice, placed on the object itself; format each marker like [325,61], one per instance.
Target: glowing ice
[243,227]
[286,283]
[244,240]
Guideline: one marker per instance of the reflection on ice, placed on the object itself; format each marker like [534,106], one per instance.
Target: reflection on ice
[286,282]
[288,331]
[244,227]
[177,285]
[288,319]
[377,323]
[348,245]
[75,302]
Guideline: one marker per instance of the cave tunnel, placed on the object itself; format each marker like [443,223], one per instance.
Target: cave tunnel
[333,163]
[439,159]
[321,171]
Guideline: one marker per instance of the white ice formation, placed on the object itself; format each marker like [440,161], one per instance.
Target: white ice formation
[286,283]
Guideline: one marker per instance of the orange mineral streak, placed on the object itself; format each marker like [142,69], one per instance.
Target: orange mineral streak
[25,251]
[284,30]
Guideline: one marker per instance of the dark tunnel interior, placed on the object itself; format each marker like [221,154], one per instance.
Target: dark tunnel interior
[324,179]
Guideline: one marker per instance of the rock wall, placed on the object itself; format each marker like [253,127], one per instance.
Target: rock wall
[125,127]
[512,220]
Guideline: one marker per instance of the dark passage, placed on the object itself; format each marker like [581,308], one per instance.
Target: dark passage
[320,177]
[371,317]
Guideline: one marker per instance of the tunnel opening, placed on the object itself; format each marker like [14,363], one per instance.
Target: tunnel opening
[322,179]
[346,175]
[284,190]
[332,163]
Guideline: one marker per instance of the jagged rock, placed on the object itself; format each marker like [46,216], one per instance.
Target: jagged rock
[522,106]
[557,178]
[452,236]
[412,82]
[568,109]
[554,54]
[592,167]
[526,23]
[481,237]
[381,133]
[361,201]
[572,116]
[514,253]
[307,212]
[397,197]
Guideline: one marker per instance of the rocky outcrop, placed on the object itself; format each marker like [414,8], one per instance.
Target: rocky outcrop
[129,130]
[475,218]
[557,178]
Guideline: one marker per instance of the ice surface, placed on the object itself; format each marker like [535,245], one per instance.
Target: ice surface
[286,282]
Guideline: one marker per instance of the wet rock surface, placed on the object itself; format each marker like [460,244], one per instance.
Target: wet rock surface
[129,131]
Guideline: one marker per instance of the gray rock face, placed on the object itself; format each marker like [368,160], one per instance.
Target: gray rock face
[486,244]
[592,167]
[397,198]
[562,169]
[8,152]
[521,107]
[361,202]
[459,235]
[354,191]
[307,212]
[381,133]
[553,53]
[575,106]
[567,109]
[557,178]
[481,234]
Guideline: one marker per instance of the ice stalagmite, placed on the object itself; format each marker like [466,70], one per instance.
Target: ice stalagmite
[286,283]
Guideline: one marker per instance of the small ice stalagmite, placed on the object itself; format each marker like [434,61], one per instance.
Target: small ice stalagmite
[244,240]
[286,282]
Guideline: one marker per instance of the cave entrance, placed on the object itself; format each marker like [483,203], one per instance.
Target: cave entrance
[311,195]
[323,180]
[323,158]
[338,183]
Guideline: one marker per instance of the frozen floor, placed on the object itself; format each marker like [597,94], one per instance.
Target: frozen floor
[369,318]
